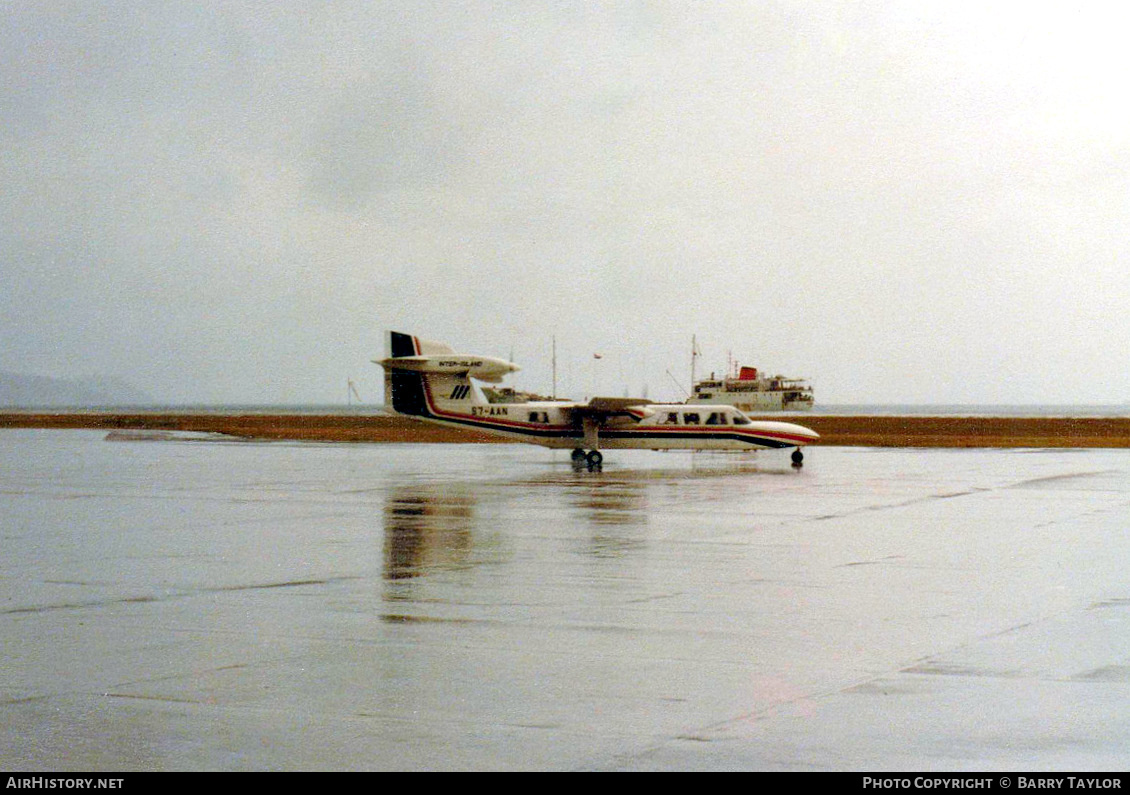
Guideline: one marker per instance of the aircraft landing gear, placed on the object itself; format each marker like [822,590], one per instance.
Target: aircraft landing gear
[592,460]
[798,458]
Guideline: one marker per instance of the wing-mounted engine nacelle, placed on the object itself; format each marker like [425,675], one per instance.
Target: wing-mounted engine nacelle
[484,368]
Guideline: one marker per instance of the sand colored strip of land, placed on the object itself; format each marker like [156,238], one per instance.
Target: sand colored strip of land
[840,430]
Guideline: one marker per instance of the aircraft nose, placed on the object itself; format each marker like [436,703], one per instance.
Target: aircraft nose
[807,433]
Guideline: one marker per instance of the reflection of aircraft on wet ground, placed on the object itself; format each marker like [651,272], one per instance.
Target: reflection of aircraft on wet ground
[431,381]
[427,527]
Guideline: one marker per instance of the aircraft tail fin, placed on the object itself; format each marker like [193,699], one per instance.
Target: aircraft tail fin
[425,378]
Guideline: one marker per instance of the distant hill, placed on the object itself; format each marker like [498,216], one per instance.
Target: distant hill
[33,391]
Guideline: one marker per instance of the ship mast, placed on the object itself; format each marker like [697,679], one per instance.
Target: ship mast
[695,353]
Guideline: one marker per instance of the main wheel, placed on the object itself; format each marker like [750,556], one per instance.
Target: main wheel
[595,459]
[577,455]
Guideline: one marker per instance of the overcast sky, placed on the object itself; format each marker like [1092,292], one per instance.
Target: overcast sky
[906,202]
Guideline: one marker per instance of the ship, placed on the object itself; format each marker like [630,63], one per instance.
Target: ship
[753,392]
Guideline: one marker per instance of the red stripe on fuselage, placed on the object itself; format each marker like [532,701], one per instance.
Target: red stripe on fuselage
[731,429]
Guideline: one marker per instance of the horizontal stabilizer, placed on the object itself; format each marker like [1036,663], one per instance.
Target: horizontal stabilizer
[435,358]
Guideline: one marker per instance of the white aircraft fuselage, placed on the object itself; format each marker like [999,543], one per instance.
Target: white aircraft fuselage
[429,381]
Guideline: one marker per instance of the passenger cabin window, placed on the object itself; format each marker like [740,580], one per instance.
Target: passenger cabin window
[716,418]
[690,418]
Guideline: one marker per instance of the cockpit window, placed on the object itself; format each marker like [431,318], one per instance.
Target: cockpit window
[741,419]
[690,418]
[672,418]
[716,418]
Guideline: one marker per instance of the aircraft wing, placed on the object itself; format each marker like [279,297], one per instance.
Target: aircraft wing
[601,409]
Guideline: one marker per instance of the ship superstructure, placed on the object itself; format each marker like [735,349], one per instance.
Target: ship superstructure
[752,391]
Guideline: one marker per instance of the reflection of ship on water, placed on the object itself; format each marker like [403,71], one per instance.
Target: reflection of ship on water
[427,527]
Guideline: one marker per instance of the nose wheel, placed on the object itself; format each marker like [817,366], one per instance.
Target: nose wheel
[798,458]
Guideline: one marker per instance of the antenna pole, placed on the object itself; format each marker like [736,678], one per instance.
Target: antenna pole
[555,367]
